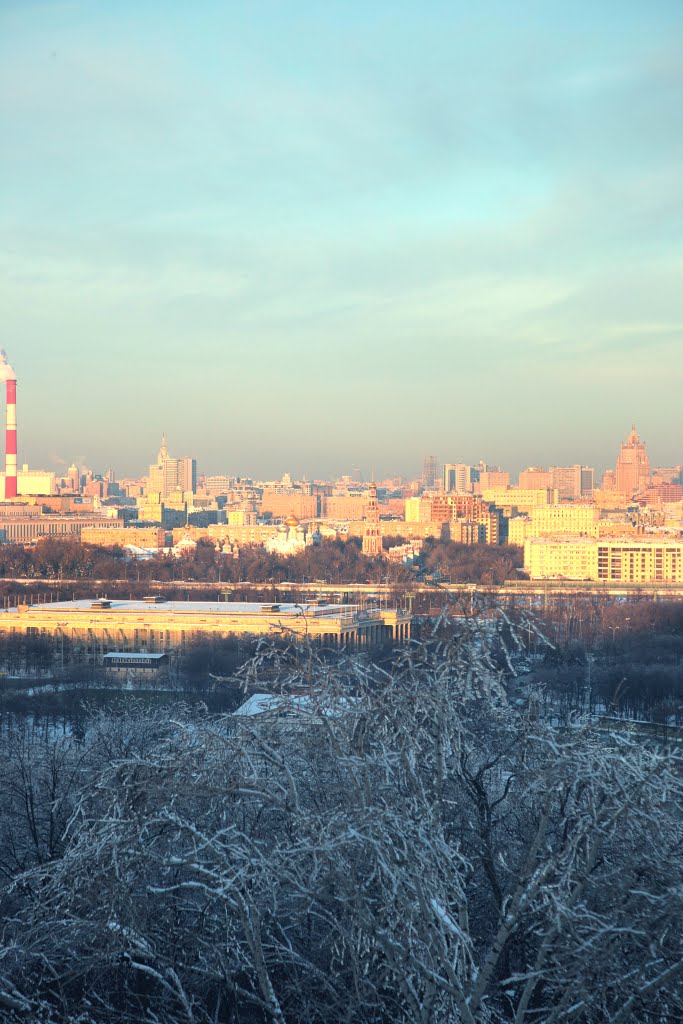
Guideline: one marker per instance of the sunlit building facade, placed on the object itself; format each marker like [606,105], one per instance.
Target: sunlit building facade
[633,466]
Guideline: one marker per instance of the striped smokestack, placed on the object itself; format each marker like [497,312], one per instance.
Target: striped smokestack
[9,376]
[11,441]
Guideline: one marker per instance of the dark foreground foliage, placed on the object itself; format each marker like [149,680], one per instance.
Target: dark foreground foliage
[407,848]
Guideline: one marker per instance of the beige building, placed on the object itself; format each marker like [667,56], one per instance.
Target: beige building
[345,507]
[611,499]
[241,517]
[218,484]
[517,530]
[514,497]
[281,504]
[618,528]
[240,535]
[641,560]
[30,528]
[92,629]
[548,520]
[32,482]
[157,512]
[571,558]
[418,510]
[624,560]
[136,536]
[534,478]
[489,479]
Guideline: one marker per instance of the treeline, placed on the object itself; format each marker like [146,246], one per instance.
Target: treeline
[54,560]
[405,847]
[51,559]
[622,658]
[474,563]
[333,561]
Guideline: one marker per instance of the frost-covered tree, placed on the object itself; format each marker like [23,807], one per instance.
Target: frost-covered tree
[403,847]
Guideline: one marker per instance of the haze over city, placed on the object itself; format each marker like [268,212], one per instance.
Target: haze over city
[302,239]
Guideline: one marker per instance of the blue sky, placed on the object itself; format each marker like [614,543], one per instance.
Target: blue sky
[303,236]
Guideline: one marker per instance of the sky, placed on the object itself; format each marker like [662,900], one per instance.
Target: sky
[305,236]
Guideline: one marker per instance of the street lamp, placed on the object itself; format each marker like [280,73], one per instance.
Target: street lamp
[614,652]
[589,661]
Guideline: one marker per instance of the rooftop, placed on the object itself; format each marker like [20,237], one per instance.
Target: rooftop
[230,609]
[294,706]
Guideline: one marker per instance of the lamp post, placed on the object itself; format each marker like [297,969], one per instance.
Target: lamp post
[589,662]
[614,652]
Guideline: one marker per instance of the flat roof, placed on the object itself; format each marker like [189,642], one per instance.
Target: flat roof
[227,608]
[133,656]
[294,705]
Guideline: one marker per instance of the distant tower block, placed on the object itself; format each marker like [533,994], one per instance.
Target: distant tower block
[429,472]
[372,537]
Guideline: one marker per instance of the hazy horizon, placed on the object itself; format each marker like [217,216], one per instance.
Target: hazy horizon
[301,238]
[138,466]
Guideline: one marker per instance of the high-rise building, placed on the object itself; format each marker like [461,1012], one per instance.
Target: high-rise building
[567,480]
[168,475]
[633,466]
[457,477]
[73,479]
[429,472]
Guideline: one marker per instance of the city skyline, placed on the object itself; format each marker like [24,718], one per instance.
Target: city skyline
[363,474]
[300,239]
[55,463]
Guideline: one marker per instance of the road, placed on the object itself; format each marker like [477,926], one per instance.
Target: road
[526,590]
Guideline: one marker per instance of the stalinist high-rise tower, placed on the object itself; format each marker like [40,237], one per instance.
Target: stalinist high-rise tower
[633,466]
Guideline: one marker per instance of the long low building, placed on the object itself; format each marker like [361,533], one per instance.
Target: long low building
[27,529]
[154,537]
[621,560]
[98,627]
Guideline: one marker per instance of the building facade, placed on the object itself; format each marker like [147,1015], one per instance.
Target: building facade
[633,466]
[169,477]
[92,629]
[618,560]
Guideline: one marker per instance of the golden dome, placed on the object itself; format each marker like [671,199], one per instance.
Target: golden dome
[291,521]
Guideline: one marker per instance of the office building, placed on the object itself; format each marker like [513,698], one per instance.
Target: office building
[457,478]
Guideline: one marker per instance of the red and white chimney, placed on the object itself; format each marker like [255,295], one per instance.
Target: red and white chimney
[11,441]
[9,377]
